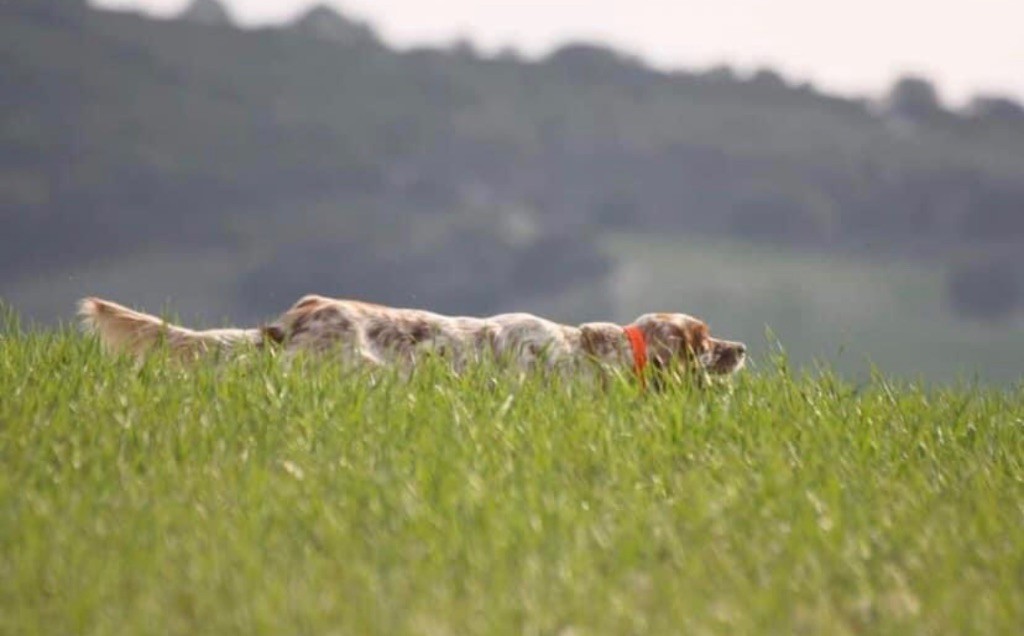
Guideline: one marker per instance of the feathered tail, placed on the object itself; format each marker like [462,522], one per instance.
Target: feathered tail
[123,330]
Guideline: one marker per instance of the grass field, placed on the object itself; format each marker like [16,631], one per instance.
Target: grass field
[260,497]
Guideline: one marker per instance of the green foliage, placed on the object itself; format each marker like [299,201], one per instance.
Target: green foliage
[259,496]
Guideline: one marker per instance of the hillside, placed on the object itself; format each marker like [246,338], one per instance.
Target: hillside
[142,118]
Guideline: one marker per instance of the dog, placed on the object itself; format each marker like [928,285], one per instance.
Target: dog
[367,335]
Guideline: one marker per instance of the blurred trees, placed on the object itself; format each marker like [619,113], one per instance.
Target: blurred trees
[46,8]
[996,107]
[914,98]
[323,21]
[592,63]
[207,12]
[128,133]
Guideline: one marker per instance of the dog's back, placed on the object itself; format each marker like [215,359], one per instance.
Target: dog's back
[375,335]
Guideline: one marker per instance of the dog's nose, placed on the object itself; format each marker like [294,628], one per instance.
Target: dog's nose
[741,349]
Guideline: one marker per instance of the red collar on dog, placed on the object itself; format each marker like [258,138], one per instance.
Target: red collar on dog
[638,344]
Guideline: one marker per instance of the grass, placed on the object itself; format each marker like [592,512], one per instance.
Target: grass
[261,497]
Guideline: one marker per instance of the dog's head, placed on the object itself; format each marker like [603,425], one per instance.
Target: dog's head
[678,342]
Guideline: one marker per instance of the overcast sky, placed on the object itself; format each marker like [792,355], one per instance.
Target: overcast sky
[854,46]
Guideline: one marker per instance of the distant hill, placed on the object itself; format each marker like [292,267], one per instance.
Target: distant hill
[120,134]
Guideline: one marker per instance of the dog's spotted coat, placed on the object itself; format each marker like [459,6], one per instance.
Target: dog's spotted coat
[365,334]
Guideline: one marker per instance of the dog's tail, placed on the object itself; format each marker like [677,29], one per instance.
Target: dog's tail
[123,330]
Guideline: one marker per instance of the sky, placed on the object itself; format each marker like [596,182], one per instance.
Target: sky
[855,47]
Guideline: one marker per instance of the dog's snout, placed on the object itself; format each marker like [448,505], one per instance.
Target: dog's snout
[741,349]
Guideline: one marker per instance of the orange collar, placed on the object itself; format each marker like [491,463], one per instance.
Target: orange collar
[638,344]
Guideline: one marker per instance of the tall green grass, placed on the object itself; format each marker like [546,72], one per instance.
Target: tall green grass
[257,496]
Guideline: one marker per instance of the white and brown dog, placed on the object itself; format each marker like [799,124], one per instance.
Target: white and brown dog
[364,334]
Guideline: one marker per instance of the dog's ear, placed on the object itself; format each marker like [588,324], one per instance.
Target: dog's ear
[664,341]
[695,340]
[673,345]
